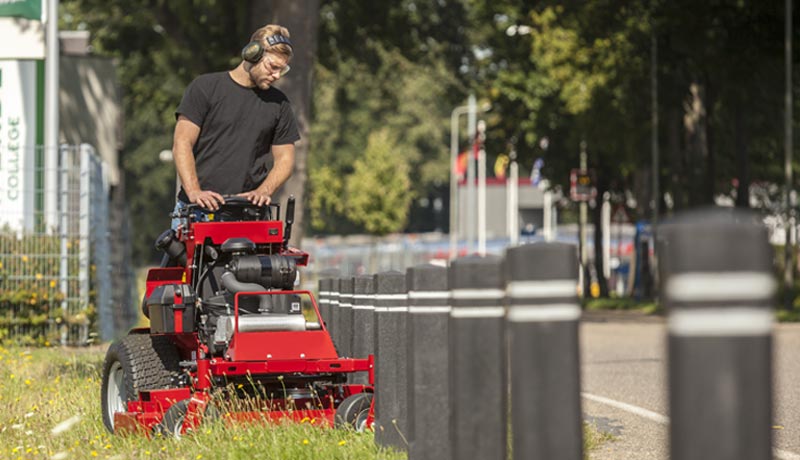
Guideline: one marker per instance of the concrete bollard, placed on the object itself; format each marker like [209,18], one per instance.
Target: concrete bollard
[391,310]
[718,286]
[542,325]
[363,321]
[478,386]
[345,324]
[428,363]
[334,303]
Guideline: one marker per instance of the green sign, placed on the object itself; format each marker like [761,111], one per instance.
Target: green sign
[31,9]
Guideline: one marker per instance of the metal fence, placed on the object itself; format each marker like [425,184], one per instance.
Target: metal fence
[55,283]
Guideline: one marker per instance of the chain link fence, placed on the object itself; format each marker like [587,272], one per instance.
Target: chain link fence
[55,277]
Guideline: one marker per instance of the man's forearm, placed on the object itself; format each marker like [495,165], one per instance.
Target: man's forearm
[184,163]
[279,174]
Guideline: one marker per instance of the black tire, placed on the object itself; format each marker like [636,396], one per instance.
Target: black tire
[136,362]
[353,411]
[172,422]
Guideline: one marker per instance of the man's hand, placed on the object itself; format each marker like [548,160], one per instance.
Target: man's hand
[257,197]
[207,199]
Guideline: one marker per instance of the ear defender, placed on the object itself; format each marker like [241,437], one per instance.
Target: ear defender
[253,51]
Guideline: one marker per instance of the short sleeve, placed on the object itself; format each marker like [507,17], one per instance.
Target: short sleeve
[194,104]
[286,131]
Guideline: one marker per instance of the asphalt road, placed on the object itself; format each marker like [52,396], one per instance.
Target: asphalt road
[625,391]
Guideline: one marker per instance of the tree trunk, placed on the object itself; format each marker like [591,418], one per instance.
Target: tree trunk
[695,124]
[742,160]
[302,20]
[677,166]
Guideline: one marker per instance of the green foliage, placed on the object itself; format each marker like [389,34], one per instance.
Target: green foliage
[378,190]
[399,98]
[30,287]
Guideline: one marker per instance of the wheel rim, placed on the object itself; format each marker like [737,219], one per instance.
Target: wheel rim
[115,396]
[176,430]
[361,421]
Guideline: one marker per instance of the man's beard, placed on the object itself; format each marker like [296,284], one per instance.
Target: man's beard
[256,81]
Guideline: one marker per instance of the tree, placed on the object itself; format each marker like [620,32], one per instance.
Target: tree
[378,191]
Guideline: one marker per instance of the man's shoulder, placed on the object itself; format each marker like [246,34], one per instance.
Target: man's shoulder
[210,79]
[273,94]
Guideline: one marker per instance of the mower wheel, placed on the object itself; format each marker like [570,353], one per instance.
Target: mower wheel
[352,413]
[172,422]
[134,363]
[173,419]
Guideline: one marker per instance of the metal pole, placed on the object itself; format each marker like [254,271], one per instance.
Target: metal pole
[481,188]
[51,127]
[454,204]
[718,290]
[605,214]
[477,350]
[471,132]
[583,208]
[513,200]
[428,370]
[542,324]
[788,269]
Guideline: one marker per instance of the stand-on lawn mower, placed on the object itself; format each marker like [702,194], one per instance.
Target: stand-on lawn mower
[228,326]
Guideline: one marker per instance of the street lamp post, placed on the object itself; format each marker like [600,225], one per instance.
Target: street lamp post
[454,216]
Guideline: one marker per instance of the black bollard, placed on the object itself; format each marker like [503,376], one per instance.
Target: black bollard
[324,299]
[428,369]
[363,320]
[334,302]
[478,384]
[542,324]
[718,286]
[345,324]
[391,310]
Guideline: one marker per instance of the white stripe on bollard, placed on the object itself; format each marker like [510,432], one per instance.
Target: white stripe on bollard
[392,309]
[477,294]
[715,322]
[428,295]
[704,287]
[363,307]
[423,309]
[542,289]
[551,312]
[322,293]
[477,312]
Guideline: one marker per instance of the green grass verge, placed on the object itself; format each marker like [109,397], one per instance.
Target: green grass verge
[42,389]
[593,438]
[623,303]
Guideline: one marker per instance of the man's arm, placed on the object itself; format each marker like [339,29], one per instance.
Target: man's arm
[186,134]
[283,164]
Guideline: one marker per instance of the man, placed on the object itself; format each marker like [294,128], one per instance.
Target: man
[228,122]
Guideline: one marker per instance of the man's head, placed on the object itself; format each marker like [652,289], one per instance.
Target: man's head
[271,61]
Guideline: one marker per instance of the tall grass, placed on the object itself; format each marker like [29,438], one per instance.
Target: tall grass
[50,408]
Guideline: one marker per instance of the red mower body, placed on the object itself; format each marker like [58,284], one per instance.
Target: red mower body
[227,325]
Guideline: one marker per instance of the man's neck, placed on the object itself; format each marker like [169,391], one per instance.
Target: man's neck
[241,76]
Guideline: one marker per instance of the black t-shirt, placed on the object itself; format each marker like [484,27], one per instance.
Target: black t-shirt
[237,127]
